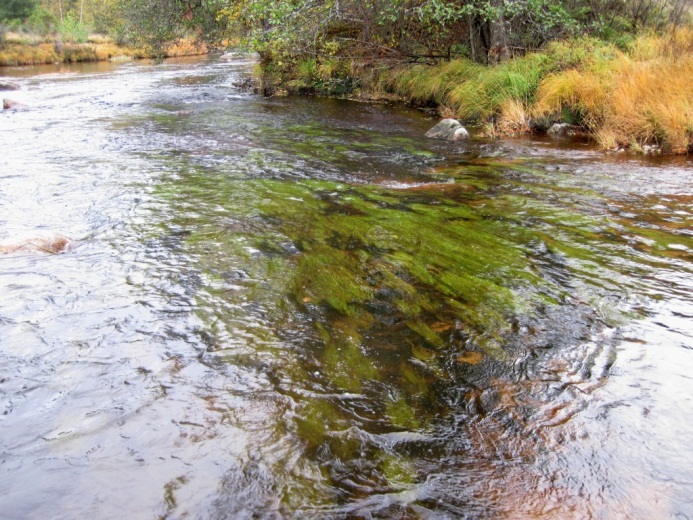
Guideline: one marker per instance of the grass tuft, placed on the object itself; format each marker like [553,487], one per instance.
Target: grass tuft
[19,52]
[628,97]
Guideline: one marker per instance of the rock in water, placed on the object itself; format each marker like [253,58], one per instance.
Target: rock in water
[449,129]
[460,134]
[8,104]
[55,245]
[8,85]
[562,130]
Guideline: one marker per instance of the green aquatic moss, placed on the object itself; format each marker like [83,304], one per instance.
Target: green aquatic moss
[401,414]
[315,419]
[347,367]
[332,276]
[398,470]
[426,333]
[354,301]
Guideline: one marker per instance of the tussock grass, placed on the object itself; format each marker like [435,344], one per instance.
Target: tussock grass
[100,49]
[625,98]
[425,84]
[492,88]
[186,47]
[514,117]
[641,96]
[28,54]
[23,38]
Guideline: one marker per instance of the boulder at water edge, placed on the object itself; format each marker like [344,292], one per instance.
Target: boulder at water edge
[8,104]
[8,85]
[563,130]
[449,129]
[460,134]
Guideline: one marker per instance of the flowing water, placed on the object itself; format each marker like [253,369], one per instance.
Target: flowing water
[302,308]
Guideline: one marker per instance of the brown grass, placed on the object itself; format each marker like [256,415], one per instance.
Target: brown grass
[14,54]
[100,49]
[644,96]
[186,47]
[514,117]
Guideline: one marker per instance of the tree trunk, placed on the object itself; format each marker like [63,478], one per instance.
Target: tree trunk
[479,39]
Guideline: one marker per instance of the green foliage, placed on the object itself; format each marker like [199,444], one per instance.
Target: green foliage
[41,21]
[16,9]
[483,95]
[155,24]
[71,29]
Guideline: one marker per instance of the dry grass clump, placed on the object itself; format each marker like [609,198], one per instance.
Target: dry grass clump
[638,97]
[101,48]
[514,117]
[77,52]
[28,54]
[625,98]
[186,47]
[23,38]
[108,50]
[583,94]
[99,39]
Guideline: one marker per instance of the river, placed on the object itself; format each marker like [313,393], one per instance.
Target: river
[302,308]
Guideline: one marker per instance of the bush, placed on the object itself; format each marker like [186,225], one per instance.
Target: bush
[71,29]
[16,9]
[41,21]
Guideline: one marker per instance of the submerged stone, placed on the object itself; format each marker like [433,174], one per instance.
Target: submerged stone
[9,104]
[563,130]
[8,85]
[449,129]
[55,245]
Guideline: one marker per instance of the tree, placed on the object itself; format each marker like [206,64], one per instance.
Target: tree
[483,30]
[16,9]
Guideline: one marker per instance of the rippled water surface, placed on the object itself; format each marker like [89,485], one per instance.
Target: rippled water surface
[302,308]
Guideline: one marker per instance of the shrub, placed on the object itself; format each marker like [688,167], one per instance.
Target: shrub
[41,21]
[71,29]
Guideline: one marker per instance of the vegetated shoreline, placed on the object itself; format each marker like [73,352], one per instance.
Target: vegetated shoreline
[637,98]
[23,51]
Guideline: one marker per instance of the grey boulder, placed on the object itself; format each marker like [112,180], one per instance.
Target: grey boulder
[8,85]
[449,129]
[562,130]
[8,104]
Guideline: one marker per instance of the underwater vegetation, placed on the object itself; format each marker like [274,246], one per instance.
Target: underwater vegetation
[384,306]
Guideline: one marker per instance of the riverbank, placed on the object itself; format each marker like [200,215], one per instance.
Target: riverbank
[635,97]
[26,50]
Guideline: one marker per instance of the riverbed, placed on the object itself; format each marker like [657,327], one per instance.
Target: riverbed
[302,308]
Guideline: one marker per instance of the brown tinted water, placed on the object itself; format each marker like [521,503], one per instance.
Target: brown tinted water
[302,308]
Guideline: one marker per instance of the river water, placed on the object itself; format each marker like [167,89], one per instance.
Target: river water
[302,308]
